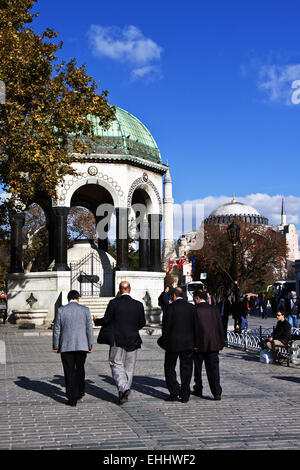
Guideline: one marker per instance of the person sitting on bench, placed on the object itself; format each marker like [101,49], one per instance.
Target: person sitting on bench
[281,335]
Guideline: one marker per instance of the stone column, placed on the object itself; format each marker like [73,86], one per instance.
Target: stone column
[51,242]
[60,216]
[122,238]
[143,246]
[16,249]
[168,229]
[155,256]
[102,242]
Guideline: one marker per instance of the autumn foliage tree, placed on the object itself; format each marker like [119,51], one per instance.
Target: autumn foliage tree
[261,252]
[44,115]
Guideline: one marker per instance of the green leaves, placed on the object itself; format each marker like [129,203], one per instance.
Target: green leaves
[46,105]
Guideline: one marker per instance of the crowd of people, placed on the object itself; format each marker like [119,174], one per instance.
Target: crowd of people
[192,333]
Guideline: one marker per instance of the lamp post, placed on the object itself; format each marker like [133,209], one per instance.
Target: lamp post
[233,231]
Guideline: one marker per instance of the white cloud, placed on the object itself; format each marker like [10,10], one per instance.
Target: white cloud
[275,81]
[127,45]
[151,71]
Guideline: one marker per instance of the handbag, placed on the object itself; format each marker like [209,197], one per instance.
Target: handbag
[265,356]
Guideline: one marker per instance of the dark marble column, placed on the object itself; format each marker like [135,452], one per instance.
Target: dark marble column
[103,236]
[51,243]
[60,216]
[122,238]
[143,246]
[16,242]
[155,257]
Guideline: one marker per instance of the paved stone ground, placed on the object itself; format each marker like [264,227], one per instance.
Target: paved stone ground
[260,407]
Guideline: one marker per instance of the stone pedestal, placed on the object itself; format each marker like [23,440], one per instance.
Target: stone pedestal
[49,288]
[30,317]
[145,287]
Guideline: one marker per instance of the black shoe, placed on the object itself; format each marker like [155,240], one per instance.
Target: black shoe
[123,396]
[71,403]
[197,394]
[185,399]
[171,398]
[217,397]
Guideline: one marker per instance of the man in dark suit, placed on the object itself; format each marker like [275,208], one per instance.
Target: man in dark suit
[163,299]
[225,310]
[209,341]
[178,332]
[123,319]
[73,339]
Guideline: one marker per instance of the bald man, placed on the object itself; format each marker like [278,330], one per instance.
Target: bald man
[123,319]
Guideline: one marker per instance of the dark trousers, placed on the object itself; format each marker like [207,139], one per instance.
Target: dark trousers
[211,361]
[185,369]
[73,365]
[225,324]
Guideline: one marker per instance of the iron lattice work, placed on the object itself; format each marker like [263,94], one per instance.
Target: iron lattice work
[249,340]
[87,276]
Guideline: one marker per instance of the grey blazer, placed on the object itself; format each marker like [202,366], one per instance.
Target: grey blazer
[73,328]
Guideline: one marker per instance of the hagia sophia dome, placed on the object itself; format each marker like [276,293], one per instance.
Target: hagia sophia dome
[230,211]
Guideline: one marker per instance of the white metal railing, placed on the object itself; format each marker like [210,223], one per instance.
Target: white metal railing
[249,339]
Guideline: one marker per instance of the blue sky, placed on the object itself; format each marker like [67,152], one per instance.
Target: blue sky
[212,81]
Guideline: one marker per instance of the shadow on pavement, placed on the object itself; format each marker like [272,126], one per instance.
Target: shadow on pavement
[90,389]
[288,379]
[143,384]
[41,387]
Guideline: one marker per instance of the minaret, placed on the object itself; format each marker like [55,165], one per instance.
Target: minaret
[168,229]
[283,213]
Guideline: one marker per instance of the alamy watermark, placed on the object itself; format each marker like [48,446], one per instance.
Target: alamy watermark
[2,352]
[296,94]
[138,223]
[2,92]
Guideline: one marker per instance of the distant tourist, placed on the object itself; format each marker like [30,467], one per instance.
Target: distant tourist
[123,319]
[292,309]
[224,307]
[163,299]
[73,339]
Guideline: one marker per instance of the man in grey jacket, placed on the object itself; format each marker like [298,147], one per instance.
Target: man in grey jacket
[73,339]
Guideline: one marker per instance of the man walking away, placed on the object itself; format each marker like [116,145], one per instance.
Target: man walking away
[178,332]
[123,319]
[73,338]
[163,299]
[209,341]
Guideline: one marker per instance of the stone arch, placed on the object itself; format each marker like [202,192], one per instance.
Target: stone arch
[67,189]
[149,187]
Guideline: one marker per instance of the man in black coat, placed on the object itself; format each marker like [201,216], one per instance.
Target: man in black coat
[123,319]
[209,341]
[163,299]
[178,332]
[225,309]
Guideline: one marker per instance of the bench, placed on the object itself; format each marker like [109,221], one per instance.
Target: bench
[290,352]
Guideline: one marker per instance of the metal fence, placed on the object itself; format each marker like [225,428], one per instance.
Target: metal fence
[249,339]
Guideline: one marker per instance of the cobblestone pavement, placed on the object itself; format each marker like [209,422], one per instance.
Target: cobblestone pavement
[260,406]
